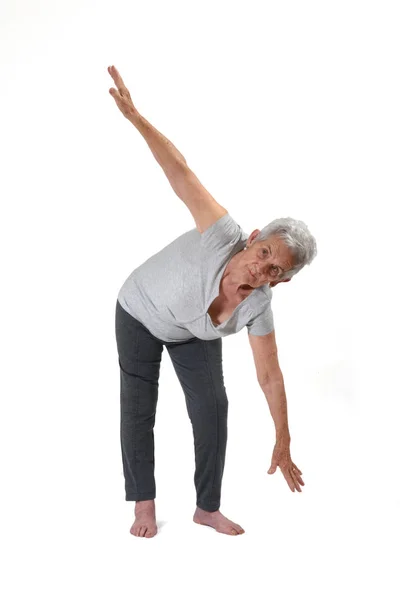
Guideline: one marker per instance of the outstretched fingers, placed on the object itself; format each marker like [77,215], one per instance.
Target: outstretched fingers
[118,80]
[291,478]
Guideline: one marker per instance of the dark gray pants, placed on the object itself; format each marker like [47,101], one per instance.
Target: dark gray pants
[198,365]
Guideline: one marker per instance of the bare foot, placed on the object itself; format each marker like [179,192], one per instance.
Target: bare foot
[145,521]
[218,521]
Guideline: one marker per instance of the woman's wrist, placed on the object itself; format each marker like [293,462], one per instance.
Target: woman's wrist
[283,435]
[164,151]
[136,118]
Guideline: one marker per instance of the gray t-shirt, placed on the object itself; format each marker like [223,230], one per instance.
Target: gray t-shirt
[171,292]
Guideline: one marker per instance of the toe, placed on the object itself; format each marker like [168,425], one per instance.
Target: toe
[238,528]
[149,533]
[143,531]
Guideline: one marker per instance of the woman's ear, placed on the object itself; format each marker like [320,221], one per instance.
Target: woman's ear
[251,237]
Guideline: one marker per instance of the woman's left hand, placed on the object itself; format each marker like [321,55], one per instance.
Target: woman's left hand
[281,458]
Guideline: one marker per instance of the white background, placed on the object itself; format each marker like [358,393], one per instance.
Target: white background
[281,109]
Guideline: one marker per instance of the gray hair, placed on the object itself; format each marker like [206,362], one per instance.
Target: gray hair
[297,238]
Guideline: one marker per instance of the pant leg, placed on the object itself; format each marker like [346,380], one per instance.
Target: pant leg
[198,365]
[139,360]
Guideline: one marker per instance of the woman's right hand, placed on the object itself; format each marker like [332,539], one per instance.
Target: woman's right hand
[122,96]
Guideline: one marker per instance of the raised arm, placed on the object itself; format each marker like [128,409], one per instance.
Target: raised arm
[203,207]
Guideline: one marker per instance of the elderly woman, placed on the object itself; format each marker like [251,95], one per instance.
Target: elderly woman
[208,283]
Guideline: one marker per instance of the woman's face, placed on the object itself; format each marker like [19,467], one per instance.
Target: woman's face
[265,262]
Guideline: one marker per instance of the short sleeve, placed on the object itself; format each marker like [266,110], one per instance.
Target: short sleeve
[262,323]
[225,232]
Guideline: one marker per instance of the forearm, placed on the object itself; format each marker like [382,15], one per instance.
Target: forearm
[165,153]
[275,394]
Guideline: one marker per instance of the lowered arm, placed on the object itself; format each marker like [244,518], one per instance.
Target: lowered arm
[270,378]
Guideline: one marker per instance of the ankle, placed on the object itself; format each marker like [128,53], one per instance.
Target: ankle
[144,505]
[208,512]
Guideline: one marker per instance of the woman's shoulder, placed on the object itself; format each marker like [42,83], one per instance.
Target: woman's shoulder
[223,235]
